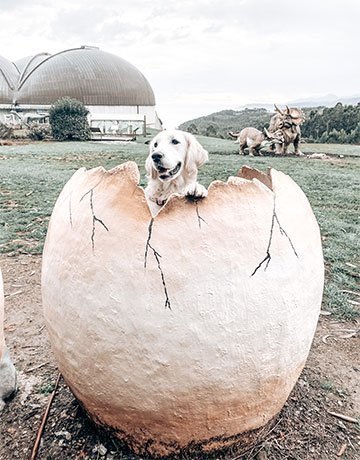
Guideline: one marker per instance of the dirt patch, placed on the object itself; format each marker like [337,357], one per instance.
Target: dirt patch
[303,430]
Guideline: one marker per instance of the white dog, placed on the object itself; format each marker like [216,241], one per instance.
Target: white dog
[172,167]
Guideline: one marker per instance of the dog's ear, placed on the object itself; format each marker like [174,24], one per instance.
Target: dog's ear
[196,155]
[151,171]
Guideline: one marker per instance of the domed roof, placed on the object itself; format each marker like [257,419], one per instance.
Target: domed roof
[27,64]
[9,76]
[87,74]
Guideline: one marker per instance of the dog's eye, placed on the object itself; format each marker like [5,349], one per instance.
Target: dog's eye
[175,141]
[156,144]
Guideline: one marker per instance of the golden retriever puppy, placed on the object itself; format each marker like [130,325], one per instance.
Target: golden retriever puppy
[172,167]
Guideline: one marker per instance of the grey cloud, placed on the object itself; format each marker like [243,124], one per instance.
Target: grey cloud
[225,11]
[122,32]
[262,16]
[80,24]
[6,5]
[167,37]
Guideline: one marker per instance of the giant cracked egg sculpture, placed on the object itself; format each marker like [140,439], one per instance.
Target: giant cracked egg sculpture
[186,331]
[7,369]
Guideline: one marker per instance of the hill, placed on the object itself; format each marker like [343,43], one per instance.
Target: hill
[339,124]
[220,123]
[328,100]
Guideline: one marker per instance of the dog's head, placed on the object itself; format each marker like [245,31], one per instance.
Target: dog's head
[172,153]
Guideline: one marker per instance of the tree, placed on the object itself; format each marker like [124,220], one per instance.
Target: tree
[324,138]
[342,138]
[354,136]
[192,128]
[211,131]
[68,120]
[333,136]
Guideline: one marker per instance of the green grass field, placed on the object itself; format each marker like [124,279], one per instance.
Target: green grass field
[32,176]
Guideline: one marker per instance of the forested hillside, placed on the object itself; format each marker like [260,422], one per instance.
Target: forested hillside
[339,124]
[220,123]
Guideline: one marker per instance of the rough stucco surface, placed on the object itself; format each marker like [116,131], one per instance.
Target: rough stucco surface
[192,326]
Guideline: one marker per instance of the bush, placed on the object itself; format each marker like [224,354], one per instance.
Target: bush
[211,131]
[5,131]
[192,128]
[68,120]
[40,132]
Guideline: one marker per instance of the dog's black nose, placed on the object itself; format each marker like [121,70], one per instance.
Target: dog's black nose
[156,157]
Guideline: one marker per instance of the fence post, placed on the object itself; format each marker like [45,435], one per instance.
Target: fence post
[144,128]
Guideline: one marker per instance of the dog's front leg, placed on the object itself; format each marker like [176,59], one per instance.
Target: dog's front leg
[195,191]
[152,201]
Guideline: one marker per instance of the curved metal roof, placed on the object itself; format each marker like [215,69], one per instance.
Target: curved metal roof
[9,76]
[87,74]
[27,64]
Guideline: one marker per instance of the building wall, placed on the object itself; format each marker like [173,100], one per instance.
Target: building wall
[99,112]
[132,112]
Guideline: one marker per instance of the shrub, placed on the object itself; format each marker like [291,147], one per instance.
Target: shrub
[5,131]
[211,131]
[68,120]
[40,132]
[192,128]
[334,136]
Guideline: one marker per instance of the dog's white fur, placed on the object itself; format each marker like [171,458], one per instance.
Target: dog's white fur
[172,167]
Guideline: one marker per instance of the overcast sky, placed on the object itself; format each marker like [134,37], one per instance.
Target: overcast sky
[202,56]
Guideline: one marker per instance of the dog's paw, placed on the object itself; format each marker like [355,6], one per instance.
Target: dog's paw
[195,192]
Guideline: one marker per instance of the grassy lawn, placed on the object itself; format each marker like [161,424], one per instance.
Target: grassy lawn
[32,176]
